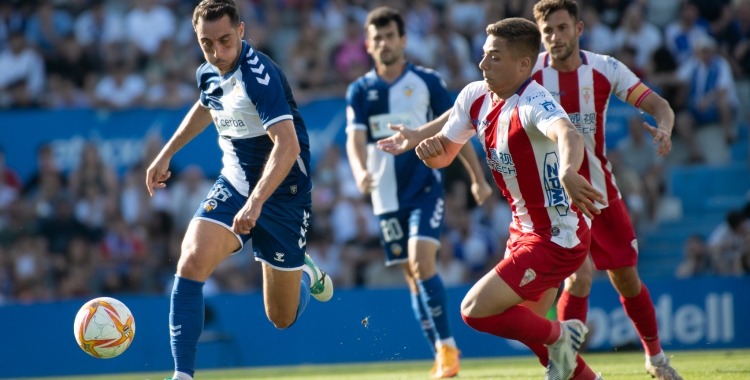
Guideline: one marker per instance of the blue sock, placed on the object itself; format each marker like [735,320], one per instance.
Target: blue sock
[304,295]
[424,319]
[433,294]
[186,322]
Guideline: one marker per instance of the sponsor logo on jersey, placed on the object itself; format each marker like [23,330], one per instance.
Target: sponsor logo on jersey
[408,91]
[396,249]
[584,123]
[501,162]
[210,205]
[535,95]
[556,196]
[229,122]
[528,276]
[372,95]
[279,257]
[548,105]
[586,94]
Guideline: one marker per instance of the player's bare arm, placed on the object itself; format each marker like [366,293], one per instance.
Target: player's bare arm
[480,189]
[195,122]
[659,108]
[571,147]
[280,161]
[438,151]
[356,149]
[406,139]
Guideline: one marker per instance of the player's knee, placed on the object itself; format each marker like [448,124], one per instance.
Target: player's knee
[281,320]
[467,306]
[422,268]
[579,284]
[188,266]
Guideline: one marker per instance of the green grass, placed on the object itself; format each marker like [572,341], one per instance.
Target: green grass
[692,365]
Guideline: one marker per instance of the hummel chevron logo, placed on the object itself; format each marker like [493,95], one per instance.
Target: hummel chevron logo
[253,61]
[263,81]
[259,70]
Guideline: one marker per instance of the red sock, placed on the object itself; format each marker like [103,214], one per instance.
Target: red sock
[582,372]
[641,311]
[572,307]
[517,323]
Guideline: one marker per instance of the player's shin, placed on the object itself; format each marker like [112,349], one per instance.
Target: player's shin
[185,324]
[572,307]
[641,311]
[424,319]
[433,294]
[304,295]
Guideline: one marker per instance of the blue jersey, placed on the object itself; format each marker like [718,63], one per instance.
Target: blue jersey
[415,98]
[244,103]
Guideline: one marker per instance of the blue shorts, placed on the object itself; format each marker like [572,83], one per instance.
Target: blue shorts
[278,238]
[424,221]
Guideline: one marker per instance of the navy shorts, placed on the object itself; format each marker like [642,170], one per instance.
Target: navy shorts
[278,238]
[423,221]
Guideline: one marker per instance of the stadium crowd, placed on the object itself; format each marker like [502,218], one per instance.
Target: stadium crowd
[90,231]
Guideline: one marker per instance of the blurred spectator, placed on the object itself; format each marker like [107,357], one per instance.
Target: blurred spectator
[61,227]
[597,37]
[452,271]
[46,183]
[308,60]
[631,188]
[47,27]
[64,94]
[726,244]
[636,33]
[350,57]
[638,153]
[466,17]
[21,73]
[171,93]
[148,24]
[98,26]
[187,194]
[611,11]
[11,21]
[8,176]
[734,41]
[451,57]
[696,260]
[680,35]
[472,243]
[662,12]
[10,188]
[711,95]
[92,172]
[91,210]
[70,64]
[120,88]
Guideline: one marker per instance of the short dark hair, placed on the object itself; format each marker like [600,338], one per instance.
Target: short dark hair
[734,219]
[521,35]
[213,10]
[544,8]
[382,16]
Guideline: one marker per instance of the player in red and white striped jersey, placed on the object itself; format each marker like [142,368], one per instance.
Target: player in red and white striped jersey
[534,152]
[582,82]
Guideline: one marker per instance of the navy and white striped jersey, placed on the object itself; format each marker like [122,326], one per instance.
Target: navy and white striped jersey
[415,98]
[244,103]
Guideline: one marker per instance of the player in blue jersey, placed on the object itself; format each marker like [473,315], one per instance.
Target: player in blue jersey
[264,188]
[407,196]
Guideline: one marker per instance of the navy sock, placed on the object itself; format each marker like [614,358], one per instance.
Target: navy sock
[424,319]
[304,295]
[186,322]
[433,294]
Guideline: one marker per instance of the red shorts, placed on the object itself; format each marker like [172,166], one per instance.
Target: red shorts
[613,243]
[532,264]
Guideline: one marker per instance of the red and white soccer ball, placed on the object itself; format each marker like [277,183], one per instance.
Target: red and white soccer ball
[104,327]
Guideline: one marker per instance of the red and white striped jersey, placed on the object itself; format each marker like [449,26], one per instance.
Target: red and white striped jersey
[584,94]
[524,161]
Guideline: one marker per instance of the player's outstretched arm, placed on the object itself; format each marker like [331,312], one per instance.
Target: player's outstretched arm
[406,139]
[196,120]
[438,151]
[571,147]
[659,108]
[480,189]
[283,156]
[356,150]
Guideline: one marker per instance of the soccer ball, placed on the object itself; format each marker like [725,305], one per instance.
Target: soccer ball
[104,327]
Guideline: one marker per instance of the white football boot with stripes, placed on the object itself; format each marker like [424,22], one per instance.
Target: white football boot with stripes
[563,353]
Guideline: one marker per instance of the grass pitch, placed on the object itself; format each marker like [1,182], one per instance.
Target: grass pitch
[692,365]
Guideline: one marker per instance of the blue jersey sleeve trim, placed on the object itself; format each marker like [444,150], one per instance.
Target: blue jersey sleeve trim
[276,120]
